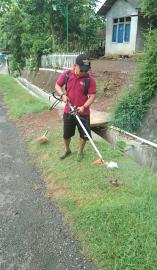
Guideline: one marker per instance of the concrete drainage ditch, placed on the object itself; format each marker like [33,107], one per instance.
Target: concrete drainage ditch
[142,151]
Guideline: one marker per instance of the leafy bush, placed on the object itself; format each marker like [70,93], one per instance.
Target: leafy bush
[14,67]
[129,112]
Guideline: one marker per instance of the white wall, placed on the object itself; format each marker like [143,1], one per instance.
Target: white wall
[121,9]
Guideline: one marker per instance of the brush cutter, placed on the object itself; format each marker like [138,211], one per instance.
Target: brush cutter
[112,179]
[100,160]
[57,101]
[74,112]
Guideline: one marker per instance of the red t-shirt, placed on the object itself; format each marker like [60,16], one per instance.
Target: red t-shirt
[75,90]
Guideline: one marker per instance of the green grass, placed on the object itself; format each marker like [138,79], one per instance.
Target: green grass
[19,101]
[117,226]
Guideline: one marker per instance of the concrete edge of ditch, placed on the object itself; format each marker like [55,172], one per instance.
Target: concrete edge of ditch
[38,92]
[142,151]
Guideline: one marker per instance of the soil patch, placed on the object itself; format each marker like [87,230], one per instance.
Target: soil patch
[110,86]
[112,77]
[35,124]
[55,190]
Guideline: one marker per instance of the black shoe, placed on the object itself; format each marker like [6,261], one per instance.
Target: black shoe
[66,154]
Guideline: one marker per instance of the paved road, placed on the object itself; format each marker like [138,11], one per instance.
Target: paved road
[32,234]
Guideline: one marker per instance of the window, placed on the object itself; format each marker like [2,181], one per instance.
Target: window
[114,35]
[127,32]
[115,20]
[128,19]
[121,30]
[121,20]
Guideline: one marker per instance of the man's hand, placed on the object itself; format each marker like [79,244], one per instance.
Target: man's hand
[64,98]
[59,90]
[80,109]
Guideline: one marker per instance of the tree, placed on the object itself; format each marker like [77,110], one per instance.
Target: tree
[35,27]
[149,7]
[12,28]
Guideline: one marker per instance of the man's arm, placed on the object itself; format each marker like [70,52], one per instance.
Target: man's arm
[59,90]
[89,102]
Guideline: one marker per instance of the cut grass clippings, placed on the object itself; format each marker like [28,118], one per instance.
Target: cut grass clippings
[117,225]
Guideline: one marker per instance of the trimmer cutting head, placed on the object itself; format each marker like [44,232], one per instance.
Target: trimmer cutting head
[109,165]
[99,161]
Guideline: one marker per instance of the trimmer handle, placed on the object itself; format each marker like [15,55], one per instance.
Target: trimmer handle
[73,109]
[57,101]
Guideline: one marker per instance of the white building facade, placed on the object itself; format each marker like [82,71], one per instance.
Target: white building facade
[124,27]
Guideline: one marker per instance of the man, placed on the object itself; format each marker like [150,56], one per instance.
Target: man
[76,83]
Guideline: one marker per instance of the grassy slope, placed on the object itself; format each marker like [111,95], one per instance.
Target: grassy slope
[116,225]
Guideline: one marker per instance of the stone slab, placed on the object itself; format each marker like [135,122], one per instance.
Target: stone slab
[98,118]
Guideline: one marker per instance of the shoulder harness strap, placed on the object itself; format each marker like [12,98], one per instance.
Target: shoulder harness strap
[86,85]
[86,82]
[67,75]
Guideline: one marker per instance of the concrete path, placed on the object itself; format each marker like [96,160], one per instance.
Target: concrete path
[32,234]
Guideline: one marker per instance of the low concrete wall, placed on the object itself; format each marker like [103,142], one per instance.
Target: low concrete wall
[149,129]
[139,149]
[44,78]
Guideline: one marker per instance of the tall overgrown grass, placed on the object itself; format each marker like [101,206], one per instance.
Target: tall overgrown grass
[132,106]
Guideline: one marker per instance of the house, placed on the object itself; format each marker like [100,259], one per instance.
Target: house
[124,26]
